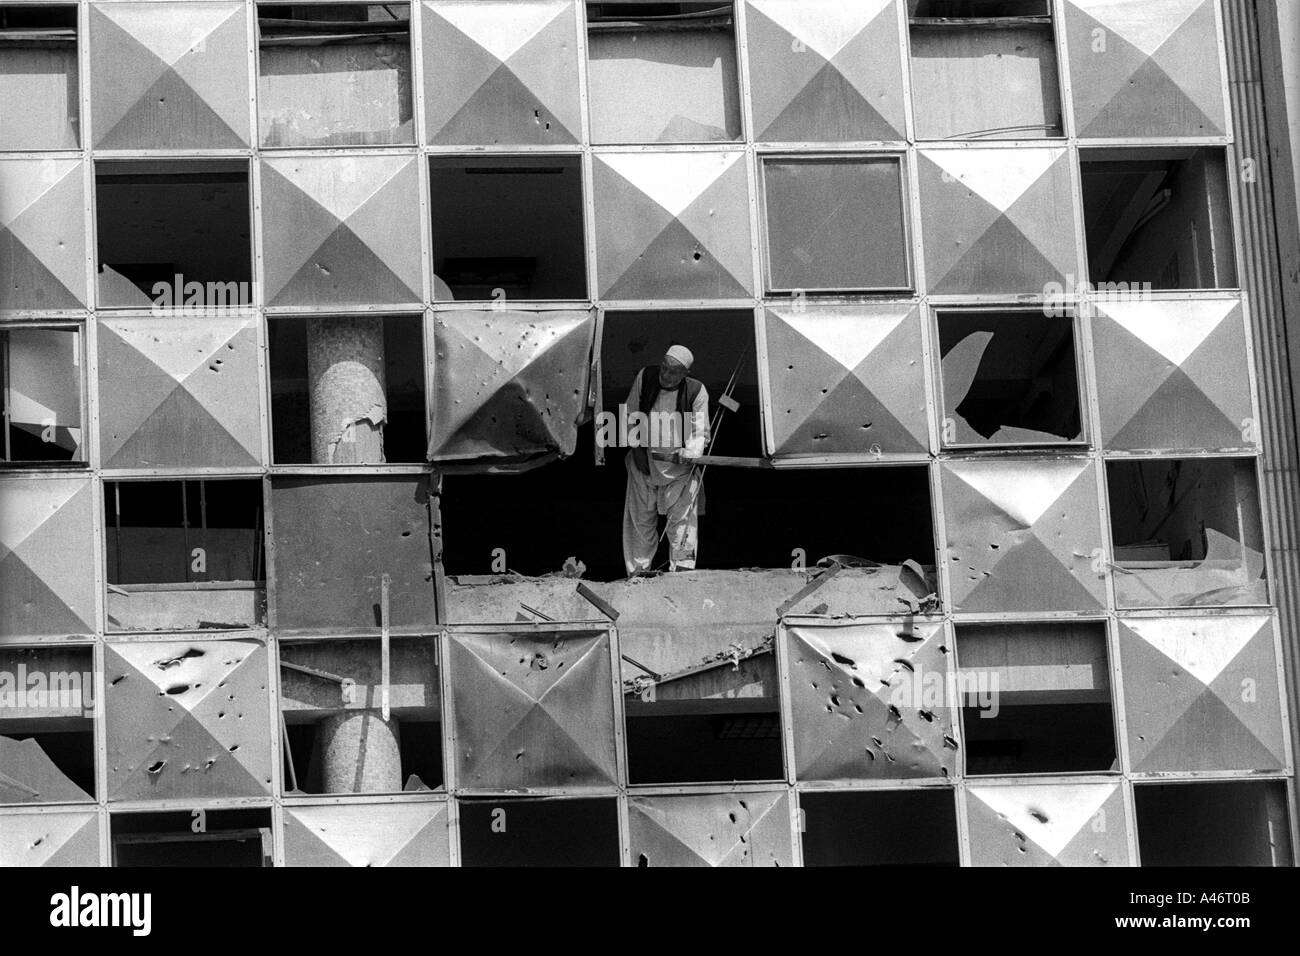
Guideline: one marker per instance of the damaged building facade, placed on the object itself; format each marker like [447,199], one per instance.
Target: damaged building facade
[309,553]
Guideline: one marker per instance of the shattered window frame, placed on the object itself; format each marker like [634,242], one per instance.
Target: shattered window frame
[174,829]
[80,457]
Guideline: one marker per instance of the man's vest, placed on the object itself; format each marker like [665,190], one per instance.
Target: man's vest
[686,395]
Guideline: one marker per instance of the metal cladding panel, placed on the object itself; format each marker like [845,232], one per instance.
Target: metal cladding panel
[532,710]
[1145,69]
[509,385]
[332,541]
[169,75]
[49,839]
[341,230]
[846,379]
[997,220]
[722,829]
[47,560]
[178,392]
[187,719]
[380,834]
[672,226]
[1023,535]
[1173,375]
[1202,694]
[871,701]
[41,84]
[825,70]
[1077,824]
[42,234]
[501,72]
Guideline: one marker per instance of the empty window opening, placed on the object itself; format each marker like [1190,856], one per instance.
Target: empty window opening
[1186,531]
[337,740]
[1157,219]
[47,740]
[40,395]
[1213,824]
[173,234]
[880,828]
[39,99]
[1009,378]
[523,832]
[508,228]
[1035,698]
[709,716]
[984,70]
[347,389]
[228,838]
[835,224]
[184,554]
[334,74]
[684,52]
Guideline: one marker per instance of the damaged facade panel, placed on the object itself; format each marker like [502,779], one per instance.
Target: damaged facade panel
[175,393]
[532,709]
[1036,698]
[1009,378]
[187,719]
[1186,532]
[501,72]
[871,701]
[350,730]
[47,707]
[514,831]
[1023,535]
[747,828]
[184,555]
[684,52]
[39,70]
[41,401]
[334,75]
[1202,693]
[47,557]
[359,834]
[1229,823]
[351,530]
[880,828]
[230,838]
[1058,824]
[49,838]
[824,70]
[169,76]
[42,234]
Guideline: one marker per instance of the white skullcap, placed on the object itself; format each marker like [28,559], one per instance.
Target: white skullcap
[681,354]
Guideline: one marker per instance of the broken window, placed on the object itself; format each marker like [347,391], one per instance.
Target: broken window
[1157,219]
[702,712]
[880,828]
[361,716]
[225,838]
[40,394]
[334,74]
[1074,824]
[47,562]
[347,389]
[184,555]
[684,52]
[173,234]
[539,832]
[47,739]
[39,95]
[1186,531]
[741,828]
[835,224]
[508,228]
[1035,698]
[1009,378]
[1233,823]
[413,833]
[984,70]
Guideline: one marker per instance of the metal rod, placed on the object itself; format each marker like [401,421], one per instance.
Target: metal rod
[385,647]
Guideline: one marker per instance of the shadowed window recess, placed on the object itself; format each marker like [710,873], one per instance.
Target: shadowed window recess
[1234,823]
[38,77]
[220,838]
[40,394]
[513,831]
[880,828]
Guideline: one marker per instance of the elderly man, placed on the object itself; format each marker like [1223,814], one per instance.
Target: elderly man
[677,410]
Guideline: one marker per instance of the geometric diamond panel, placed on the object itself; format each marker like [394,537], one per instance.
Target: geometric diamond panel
[389,834]
[42,234]
[718,830]
[47,563]
[1081,824]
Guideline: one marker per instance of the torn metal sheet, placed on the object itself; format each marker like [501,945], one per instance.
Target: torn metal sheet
[42,234]
[1158,73]
[871,701]
[1081,824]
[1201,693]
[49,839]
[388,834]
[719,830]
[532,709]
[706,665]
[47,563]
[187,719]
[501,72]
[28,775]
[509,386]
[1023,535]
[43,377]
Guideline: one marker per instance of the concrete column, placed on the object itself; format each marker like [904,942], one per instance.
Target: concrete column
[360,753]
[345,373]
